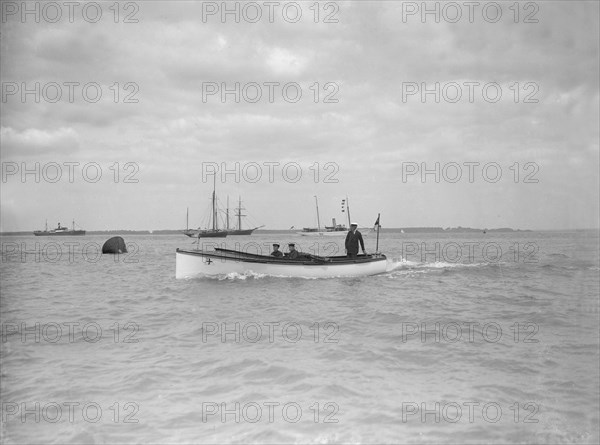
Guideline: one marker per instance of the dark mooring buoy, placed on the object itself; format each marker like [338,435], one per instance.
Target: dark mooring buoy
[114,245]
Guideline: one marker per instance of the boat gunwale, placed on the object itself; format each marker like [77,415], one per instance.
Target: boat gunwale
[325,259]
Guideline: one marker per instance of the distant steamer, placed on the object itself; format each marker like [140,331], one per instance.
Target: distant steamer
[59,231]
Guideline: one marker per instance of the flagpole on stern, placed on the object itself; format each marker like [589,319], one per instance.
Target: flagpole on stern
[377,244]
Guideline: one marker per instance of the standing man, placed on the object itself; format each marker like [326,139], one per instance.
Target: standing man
[276,252]
[352,239]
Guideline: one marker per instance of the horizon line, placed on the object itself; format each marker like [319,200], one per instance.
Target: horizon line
[437,228]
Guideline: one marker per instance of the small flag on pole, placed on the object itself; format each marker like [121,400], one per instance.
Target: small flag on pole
[376,223]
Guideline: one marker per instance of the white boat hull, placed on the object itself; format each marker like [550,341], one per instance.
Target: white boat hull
[189,263]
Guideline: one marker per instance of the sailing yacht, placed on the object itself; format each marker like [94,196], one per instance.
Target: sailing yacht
[239,215]
[213,232]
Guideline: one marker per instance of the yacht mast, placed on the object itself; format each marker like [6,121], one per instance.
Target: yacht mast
[348,210]
[239,215]
[318,219]
[214,225]
[227,212]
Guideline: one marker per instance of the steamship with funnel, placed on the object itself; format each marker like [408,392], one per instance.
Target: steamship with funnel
[59,231]
[333,230]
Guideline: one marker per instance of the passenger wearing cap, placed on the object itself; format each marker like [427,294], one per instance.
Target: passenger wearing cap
[276,252]
[293,253]
[352,239]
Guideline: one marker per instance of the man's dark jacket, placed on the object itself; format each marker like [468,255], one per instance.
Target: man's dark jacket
[352,240]
[292,255]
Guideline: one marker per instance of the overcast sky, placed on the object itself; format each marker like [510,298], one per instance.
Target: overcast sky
[161,119]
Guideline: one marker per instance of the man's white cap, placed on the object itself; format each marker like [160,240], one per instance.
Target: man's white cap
[354,224]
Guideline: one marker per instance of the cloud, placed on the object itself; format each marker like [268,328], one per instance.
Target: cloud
[33,141]
[283,61]
[369,130]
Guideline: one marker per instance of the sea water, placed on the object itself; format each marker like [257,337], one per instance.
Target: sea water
[468,338]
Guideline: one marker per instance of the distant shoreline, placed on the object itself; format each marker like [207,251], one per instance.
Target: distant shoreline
[383,230]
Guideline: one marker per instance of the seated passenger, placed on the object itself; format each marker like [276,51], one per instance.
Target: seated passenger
[293,253]
[276,252]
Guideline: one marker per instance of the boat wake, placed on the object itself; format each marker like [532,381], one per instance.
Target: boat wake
[394,264]
[233,276]
[401,264]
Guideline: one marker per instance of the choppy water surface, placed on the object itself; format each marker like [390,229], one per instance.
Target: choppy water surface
[468,338]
